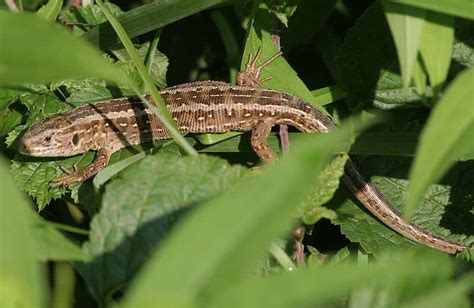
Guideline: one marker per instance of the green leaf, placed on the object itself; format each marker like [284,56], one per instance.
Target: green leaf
[139,209]
[419,76]
[450,294]
[460,8]
[149,17]
[390,92]
[50,10]
[53,246]
[34,175]
[394,277]
[20,34]
[406,24]
[446,137]
[436,47]
[20,272]
[9,118]
[231,227]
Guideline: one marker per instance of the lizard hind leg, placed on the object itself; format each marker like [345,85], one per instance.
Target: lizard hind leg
[250,77]
[260,133]
[101,160]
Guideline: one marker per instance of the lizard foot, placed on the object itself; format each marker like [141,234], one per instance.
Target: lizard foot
[250,77]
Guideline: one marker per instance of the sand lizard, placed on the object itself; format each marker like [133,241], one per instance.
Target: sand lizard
[204,107]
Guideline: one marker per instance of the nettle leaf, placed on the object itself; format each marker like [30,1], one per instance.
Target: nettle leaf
[83,91]
[9,118]
[322,191]
[7,96]
[390,92]
[443,211]
[35,174]
[32,174]
[140,208]
[41,105]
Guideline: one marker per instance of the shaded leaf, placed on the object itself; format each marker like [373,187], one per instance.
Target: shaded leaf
[366,53]
[139,209]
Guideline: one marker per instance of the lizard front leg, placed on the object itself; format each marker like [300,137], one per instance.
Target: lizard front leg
[101,160]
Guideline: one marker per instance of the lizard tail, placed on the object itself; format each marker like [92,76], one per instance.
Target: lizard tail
[371,197]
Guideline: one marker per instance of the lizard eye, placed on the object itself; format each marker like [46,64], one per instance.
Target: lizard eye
[75,139]
[47,138]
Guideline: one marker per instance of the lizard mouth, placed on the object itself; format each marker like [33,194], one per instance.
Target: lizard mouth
[24,148]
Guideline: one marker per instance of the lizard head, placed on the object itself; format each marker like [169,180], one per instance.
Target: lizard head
[51,137]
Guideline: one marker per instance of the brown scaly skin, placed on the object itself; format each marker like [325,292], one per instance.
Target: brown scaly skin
[204,107]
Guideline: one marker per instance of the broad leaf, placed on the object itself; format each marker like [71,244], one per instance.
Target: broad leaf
[140,208]
[446,137]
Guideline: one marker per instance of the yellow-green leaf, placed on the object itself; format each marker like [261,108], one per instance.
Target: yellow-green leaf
[446,137]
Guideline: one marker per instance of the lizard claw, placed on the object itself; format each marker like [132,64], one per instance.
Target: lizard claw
[250,77]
